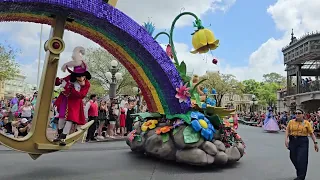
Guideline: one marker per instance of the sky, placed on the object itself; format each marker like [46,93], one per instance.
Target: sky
[251,33]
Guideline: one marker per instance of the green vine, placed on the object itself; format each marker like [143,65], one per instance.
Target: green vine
[161,33]
[197,22]
[195,87]
[182,69]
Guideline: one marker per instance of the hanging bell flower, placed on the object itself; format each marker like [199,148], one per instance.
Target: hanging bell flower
[169,51]
[203,39]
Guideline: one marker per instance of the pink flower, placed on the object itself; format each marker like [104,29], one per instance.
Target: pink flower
[183,93]
[169,51]
[131,135]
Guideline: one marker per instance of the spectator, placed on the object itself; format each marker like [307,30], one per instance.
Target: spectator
[7,127]
[91,113]
[23,128]
[26,110]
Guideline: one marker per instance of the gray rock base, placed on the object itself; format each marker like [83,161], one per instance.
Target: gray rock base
[201,153]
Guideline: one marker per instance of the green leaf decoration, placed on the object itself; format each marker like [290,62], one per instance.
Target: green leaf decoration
[183,69]
[186,79]
[197,97]
[195,86]
[215,120]
[136,119]
[138,138]
[190,136]
[147,115]
[174,131]
[165,137]
[185,117]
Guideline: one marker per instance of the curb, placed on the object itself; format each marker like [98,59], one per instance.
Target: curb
[107,140]
[4,148]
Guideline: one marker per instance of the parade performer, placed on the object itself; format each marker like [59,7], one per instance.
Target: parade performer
[235,121]
[270,124]
[75,87]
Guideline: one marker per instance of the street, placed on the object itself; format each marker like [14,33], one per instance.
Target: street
[266,159]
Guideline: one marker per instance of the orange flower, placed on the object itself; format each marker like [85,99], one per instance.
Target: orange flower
[163,130]
[226,123]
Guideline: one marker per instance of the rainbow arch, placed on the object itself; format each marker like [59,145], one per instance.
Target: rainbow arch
[126,40]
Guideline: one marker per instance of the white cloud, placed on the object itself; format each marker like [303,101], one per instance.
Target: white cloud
[300,15]
[27,34]
[163,12]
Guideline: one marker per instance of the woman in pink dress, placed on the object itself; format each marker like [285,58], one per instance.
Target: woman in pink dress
[123,111]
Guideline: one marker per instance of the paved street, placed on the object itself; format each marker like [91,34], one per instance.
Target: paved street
[266,159]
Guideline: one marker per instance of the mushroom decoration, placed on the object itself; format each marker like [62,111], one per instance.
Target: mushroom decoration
[215,61]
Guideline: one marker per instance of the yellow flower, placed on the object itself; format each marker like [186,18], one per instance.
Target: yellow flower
[203,123]
[203,40]
[151,124]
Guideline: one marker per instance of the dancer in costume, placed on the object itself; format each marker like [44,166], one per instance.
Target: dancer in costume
[69,103]
[270,124]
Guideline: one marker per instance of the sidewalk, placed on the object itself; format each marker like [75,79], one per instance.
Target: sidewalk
[51,134]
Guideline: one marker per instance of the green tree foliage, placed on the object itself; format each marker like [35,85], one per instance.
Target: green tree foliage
[275,78]
[99,61]
[8,67]
[251,86]
[223,83]
[96,88]
[266,91]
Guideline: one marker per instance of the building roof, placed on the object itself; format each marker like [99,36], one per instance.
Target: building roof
[311,64]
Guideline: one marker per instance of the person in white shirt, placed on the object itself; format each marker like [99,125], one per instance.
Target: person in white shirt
[26,111]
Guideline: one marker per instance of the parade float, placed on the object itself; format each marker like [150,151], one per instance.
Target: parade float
[183,124]
[200,136]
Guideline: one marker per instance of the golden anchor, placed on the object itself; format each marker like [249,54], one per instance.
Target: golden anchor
[36,142]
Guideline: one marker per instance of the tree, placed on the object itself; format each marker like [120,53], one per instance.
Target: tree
[251,86]
[223,83]
[267,93]
[275,78]
[99,62]
[96,88]
[8,67]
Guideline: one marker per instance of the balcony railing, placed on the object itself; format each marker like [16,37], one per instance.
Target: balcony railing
[305,88]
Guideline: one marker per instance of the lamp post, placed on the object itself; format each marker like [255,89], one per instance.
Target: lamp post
[114,76]
[253,102]
[137,91]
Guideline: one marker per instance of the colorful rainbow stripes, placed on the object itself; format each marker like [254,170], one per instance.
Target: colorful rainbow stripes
[154,73]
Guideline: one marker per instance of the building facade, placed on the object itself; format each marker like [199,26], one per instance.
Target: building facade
[18,86]
[281,103]
[244,102]
[302,61]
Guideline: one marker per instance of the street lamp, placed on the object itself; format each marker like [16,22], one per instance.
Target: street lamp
[253,102]
[113,77]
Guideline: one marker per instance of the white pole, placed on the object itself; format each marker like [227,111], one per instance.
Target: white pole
[39,58]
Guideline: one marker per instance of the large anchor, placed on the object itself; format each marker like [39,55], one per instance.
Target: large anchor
[36,142]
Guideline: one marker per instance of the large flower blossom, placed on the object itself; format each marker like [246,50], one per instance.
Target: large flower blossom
[201,124]
[163,130]
[183,93]
[151,124]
